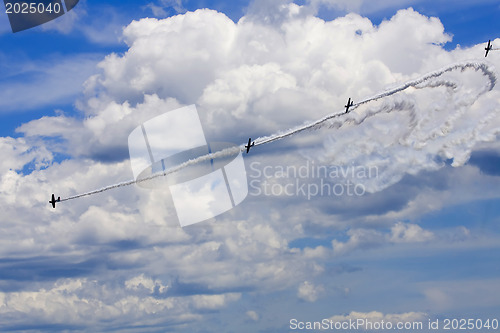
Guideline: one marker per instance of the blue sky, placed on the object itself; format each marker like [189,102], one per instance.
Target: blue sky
[421,243]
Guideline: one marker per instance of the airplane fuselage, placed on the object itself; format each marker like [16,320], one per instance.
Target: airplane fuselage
[488,48]
[348,105]
[53,201]
[249,145]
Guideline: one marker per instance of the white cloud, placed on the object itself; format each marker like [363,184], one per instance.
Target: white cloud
[78,301]
[16,153]
[359,239]
[309,292]
[378,317]
[250,71]
[140,281]
[246,77]
[369,238]
[253,315]
[212,302]
[447,187]
[409,233]
[102,136]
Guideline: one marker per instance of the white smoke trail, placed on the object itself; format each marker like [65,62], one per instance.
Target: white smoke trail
[222,153]
[425,81]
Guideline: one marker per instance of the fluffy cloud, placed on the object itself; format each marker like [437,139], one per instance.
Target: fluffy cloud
[409,233]
[17,153]
[124,257]
[255,76]
[102,136]
[366,238]
[309,292]
[253,315]
[75,302]
[268,76]
[378,317]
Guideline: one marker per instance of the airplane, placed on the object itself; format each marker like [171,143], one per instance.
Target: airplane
[248,146]
[348,105]
[53,201]
[488,48]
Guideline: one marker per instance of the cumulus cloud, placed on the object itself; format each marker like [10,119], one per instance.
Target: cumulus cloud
[370,238]
[409,233]
[309,292]
[17,153]
[266,75]
[359,238]
[246,77]
[102,136]
[253,315]
[377,317]
[77,301]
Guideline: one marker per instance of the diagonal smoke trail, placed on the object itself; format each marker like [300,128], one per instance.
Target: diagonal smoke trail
[478,66]
[421,82]
[202,158]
